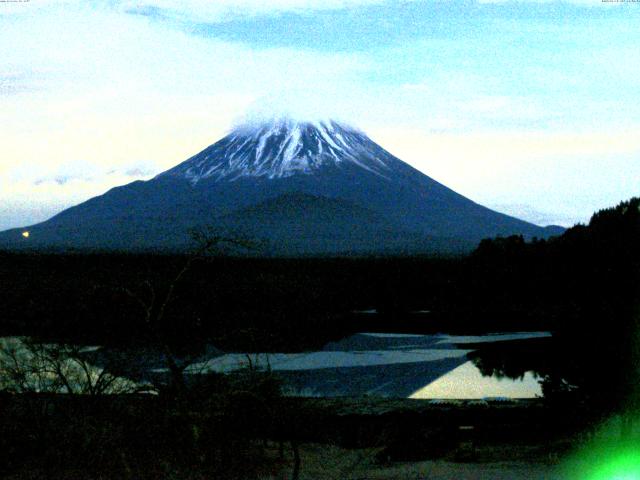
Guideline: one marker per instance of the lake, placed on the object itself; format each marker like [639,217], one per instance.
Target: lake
[390,365]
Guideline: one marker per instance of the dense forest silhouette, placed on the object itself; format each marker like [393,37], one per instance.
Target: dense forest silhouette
[587,281]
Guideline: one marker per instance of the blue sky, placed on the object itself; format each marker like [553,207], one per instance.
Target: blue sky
[527,107]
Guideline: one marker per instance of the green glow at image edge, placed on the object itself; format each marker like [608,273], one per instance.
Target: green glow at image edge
[621,465]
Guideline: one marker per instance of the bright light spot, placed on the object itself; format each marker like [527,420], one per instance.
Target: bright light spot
[466,381]
[608,463]
[624,465]
[25,234]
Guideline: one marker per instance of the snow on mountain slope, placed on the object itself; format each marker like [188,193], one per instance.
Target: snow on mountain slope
[301,187]
[280,149]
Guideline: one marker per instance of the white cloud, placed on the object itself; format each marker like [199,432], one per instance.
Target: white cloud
[94,91]
[87,91]
[218,10]
[33,193]
[190,10]
[26,202]
[33,7]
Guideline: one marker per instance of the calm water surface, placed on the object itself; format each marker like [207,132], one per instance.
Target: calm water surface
[365,364]
[390,365]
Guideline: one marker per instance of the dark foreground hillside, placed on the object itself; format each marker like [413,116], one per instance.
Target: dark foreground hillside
[244,436]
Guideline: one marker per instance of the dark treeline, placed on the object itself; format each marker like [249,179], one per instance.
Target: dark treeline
[588,280]
[282,303]
[571,281]
[296,303]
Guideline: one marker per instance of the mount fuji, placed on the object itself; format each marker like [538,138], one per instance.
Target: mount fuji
[303,188]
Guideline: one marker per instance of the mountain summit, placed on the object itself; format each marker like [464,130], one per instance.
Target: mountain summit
[301,187]
[282,148]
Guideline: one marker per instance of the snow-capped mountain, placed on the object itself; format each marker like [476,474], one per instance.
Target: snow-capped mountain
[283,148]
[302,187]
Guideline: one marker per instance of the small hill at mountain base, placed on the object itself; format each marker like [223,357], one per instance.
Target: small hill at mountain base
[302,188]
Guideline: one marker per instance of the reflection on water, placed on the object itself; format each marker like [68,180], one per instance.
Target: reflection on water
[326,359]
[374,364]
[402,365]
[27,366]
[467,382]
[492,337]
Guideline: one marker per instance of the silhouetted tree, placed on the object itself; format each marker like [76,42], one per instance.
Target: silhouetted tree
[154,303]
